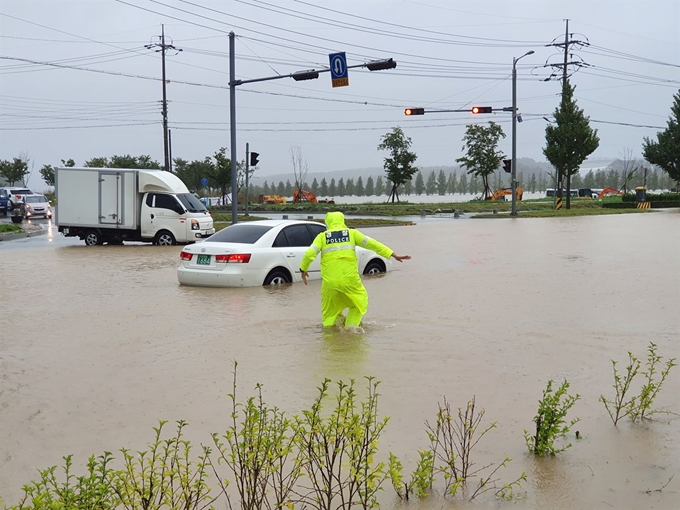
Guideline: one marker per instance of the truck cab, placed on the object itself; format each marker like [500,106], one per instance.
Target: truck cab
[167,218]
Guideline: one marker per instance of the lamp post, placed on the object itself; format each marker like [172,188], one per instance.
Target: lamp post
[514,131]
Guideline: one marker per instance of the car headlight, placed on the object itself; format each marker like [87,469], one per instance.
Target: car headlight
[195,225]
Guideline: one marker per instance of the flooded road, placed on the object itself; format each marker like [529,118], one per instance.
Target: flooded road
[99,343]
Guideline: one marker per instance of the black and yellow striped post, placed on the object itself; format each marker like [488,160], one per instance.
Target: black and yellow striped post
[558,203]
[644,205]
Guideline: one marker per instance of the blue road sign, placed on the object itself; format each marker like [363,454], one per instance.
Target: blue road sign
[339,76]
[204,181]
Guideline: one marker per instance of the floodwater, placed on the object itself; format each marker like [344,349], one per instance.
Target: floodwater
[99,343]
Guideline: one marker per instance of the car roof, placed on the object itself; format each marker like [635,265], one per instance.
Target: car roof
[276,223]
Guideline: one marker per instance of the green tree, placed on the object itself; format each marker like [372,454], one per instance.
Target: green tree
[359,187]
[14,171]
[323,189]
[379,186]
[281,188]
[420,183]
[589,180]
[665,151]
[342,191]
[570,140]
[532,183]
[463,183]
[48,175]
[220,170]
[452,183]
[482,155]
[289,189]
[399,165]
[315,186]
[332,188]
[441,182]
[431,184]
[370,186]
[349,187]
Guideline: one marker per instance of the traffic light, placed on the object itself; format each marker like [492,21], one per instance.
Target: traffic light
[507,165]
[253,158]
[414,111]
[482,109]
[379,65]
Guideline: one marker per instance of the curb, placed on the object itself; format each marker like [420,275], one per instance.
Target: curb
[14,237]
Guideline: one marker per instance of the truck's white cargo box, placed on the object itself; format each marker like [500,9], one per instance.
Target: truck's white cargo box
[103,197]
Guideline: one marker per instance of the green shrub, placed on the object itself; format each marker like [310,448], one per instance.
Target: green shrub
[618,205]
[551,421]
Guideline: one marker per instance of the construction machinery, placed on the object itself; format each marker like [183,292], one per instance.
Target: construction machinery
[501,193]
[271,199]
[307,196]
[609,191]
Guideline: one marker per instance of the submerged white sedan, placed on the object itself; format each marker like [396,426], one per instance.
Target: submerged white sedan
[265,252]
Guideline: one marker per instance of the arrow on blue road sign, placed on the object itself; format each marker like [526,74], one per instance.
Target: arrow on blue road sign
[204,181]
[339,76]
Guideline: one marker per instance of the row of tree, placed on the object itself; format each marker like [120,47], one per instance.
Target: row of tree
[442,183]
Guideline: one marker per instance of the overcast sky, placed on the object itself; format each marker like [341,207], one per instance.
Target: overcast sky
[450,54]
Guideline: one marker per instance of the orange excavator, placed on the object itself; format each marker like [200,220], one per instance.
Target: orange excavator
[300,195]
[501,193]
[609,191]
[271,199]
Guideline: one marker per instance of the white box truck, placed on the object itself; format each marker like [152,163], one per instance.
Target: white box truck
[112,205]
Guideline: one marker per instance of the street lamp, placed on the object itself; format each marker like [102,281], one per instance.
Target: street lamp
[514,131]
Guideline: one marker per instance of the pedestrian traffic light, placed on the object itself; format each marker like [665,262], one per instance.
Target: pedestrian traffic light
[414,111]
[507,165]
[253,158]
[482,109]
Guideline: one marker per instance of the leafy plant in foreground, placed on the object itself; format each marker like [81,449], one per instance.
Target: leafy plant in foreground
[638,407]
[258,448]
[453,438]
[93,491]
[550,420]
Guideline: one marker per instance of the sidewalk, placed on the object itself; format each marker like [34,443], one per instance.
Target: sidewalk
[29,230]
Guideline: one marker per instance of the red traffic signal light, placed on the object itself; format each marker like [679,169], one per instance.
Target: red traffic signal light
[507,165]
[482,109]
[414,111]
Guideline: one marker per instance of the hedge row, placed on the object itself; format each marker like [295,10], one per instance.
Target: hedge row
[655,197]
[632,205]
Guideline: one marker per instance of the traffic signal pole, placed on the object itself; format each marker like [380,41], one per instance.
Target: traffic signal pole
[232,124]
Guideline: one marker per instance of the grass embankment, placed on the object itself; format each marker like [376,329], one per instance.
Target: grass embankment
[224,220]
[528,208]
[10,228]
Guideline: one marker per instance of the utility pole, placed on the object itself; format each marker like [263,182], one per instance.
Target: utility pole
[232,124]
[163,49]
[564,65]
[170,148]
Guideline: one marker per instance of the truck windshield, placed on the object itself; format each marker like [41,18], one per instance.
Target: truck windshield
[191,203]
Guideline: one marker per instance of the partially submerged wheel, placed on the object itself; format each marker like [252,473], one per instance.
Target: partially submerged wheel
[374,267]
[277,277]
[93,238]
[164,238]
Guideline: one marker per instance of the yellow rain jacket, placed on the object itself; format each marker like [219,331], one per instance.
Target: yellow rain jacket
[341,285]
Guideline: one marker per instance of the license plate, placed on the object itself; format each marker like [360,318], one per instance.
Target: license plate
[203,260]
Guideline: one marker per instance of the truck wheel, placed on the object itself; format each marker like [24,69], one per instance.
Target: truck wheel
[9,206]
[277,277]
[164,238]
[93,238]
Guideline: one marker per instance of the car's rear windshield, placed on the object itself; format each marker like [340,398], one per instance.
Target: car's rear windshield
[35,199]
[239,233]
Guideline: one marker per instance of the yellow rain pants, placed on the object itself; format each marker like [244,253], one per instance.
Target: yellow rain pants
[341,285]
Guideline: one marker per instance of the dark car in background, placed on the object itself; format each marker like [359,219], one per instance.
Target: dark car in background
[4,199]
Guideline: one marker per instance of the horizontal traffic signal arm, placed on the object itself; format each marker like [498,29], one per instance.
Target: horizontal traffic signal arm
[474,110]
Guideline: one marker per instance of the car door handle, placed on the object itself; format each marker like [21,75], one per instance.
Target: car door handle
[291,255]
[152,216]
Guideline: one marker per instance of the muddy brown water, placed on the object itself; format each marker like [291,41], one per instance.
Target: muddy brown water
[98,343]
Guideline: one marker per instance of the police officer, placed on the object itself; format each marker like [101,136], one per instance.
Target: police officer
[341,285]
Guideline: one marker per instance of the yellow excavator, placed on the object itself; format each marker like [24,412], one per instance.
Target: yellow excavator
[501,193]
